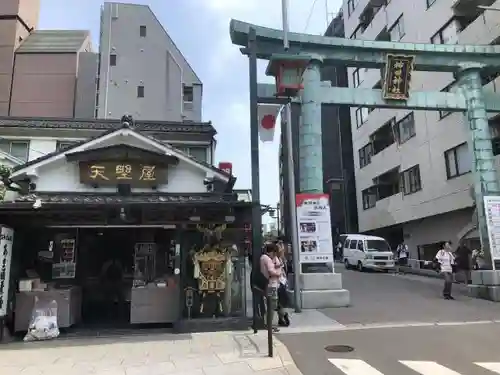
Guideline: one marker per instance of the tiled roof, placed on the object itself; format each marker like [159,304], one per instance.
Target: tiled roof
[53,41]
[100,124]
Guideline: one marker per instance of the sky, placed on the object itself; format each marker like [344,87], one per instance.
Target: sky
[200,29]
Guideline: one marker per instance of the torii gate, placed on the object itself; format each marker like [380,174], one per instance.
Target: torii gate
[467,62]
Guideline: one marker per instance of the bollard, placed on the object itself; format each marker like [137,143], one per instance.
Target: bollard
[271,302]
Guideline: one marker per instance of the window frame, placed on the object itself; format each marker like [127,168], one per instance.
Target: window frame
[143,31]
[141,91]
[191,93]
[439,33]
[11,142]
[365,198]
[444,114]
[458,173]
[414,180]
[399,132]
[365,155]
[361,119]
[399,23]
[113,59]
[351,7]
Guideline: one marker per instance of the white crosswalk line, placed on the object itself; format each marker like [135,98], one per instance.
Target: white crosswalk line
[492,366]
[354,366]
[428,368]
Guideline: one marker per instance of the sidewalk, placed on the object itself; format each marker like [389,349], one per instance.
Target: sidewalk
[217,353]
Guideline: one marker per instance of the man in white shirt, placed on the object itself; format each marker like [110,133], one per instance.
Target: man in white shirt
[446,260]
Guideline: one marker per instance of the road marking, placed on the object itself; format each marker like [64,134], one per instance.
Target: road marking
[492,366]
[354,366]
[428,368]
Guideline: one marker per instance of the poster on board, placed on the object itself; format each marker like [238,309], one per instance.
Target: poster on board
[6,238]
[492,211]
[314,227]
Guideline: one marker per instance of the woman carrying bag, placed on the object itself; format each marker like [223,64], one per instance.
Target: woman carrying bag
[283,300]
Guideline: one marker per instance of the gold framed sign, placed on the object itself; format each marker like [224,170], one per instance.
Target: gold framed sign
[122,172]
[398,69]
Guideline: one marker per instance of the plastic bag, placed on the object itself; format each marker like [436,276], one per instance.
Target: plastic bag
[43,324]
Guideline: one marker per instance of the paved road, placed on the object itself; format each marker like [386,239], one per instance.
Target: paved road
[378,297]
[395,320]
[444,350]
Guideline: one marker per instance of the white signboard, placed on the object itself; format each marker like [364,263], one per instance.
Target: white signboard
[492,211]
[6,238]
[315,230]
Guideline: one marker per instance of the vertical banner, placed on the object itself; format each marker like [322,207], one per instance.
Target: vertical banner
[6,238]
[314,224]
[492,212]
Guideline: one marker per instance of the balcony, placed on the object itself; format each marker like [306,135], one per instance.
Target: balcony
[373,18]
[467,11]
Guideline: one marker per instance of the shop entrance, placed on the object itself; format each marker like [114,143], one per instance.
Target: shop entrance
[106,270]
[127,276]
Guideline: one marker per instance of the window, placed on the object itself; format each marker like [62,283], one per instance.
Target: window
[140,91]
[199,153]
[369,198]
[361,116]
[458,161]
[112,60]
[18,149]
[405,128]
[61,145]
[443,114]
[410,180]
[360,246]
[188,94]
[430,3]
[143,31]
[358,76]
[397,30]
[448,34]
[353,245]
[365,155]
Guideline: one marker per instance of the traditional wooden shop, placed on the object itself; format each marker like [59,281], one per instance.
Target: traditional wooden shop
[124,229]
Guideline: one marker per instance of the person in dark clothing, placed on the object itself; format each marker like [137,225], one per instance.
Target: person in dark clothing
[464,262]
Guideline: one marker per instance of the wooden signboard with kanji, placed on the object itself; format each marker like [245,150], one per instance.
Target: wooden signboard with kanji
[108,173]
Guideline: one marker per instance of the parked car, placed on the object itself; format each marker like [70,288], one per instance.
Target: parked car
[367,252]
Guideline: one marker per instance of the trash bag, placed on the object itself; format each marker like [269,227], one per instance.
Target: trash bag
[43,324]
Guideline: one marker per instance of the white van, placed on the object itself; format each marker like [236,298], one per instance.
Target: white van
[362,252]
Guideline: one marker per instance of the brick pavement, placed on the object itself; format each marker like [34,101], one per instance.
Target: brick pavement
[217,353]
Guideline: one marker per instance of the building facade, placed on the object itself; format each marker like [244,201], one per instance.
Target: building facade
[413,168]
[141,70]
[44,73]
[338,168]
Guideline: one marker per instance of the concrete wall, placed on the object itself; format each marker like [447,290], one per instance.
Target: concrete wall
[433,136]
[153,62]
[85,96]
[44,85]
[12,32]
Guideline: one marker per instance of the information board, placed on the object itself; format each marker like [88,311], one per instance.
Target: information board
[492,211]
[314,227]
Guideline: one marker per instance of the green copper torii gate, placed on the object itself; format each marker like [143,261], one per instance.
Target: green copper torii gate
[467,62]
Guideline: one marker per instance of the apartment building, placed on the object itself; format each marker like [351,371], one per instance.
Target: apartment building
[56,75]
[413,168]
[141,70]
[338,167]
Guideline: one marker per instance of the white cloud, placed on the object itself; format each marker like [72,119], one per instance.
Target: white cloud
[229,68]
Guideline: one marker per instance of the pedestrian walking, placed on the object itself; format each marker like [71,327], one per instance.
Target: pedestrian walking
[446,260]
[464,262]
[402,256]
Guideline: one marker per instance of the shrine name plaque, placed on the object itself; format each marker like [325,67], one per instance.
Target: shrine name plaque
[118,172]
